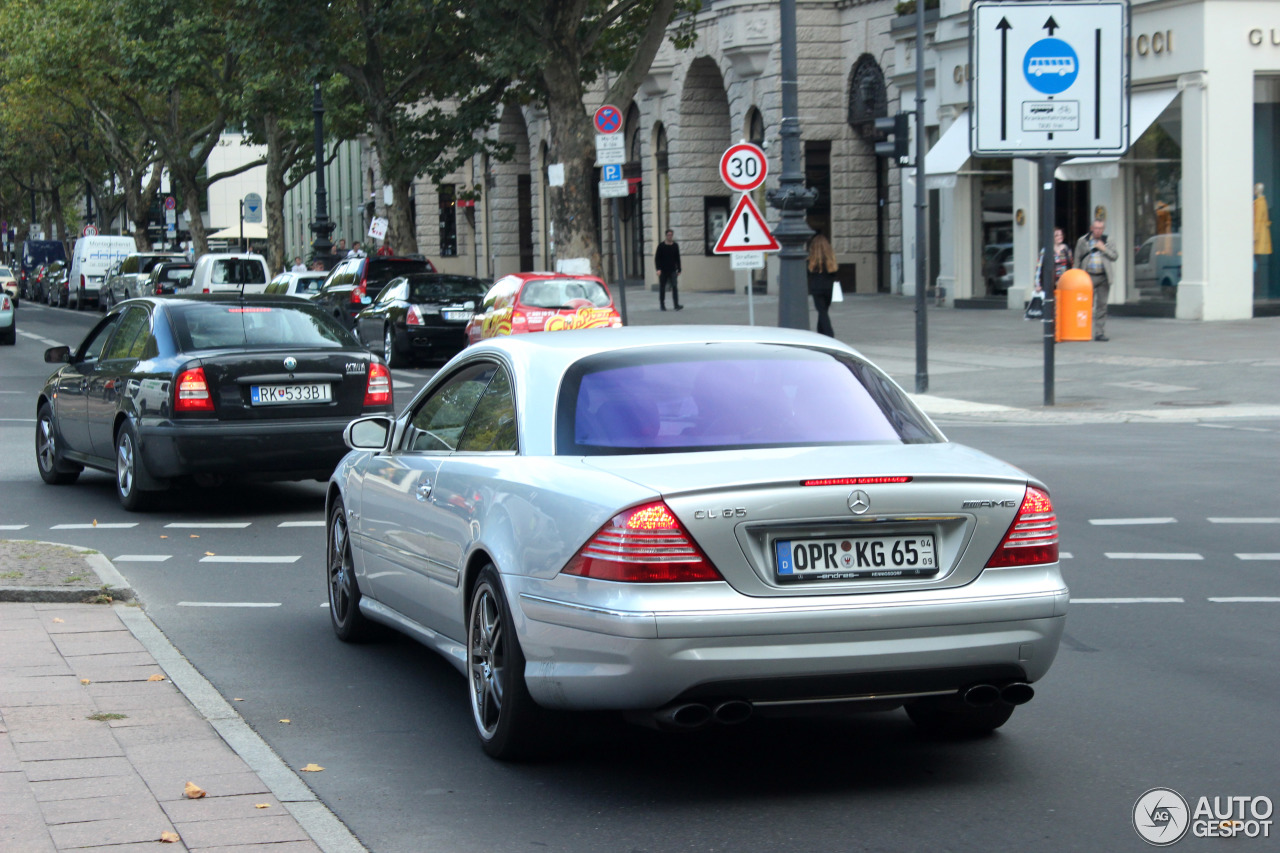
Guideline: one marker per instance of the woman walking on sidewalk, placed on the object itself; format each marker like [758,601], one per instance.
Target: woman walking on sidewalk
[822,279]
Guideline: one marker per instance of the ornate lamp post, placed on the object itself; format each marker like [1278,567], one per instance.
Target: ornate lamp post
[791,196]
[321,247]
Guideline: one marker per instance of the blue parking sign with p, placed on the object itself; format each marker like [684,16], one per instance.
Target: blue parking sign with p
[611,173]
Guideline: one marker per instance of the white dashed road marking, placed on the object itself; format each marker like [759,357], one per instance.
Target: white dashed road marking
[35,337]
[1258,556]
[1244,521]
[1246,599]
[1139,555]
[1065,555]
[210,525]
[142,558]
[1128,601]
[1120,521]
[228,604]
[114,525]
[301,524]
[217,559]
[13,527]
[396,383]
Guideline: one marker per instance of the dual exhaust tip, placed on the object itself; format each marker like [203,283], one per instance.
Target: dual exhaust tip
[985,695]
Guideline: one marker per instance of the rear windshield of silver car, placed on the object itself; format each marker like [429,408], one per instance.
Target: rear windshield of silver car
[723,396]
[225,325]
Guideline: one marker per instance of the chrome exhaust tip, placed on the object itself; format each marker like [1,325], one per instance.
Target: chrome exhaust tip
[981,695]
[732,712]
[685,716]
[1017,693]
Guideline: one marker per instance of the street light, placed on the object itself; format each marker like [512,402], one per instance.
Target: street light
[321,247]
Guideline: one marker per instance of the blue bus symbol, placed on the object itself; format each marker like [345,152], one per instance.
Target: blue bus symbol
[1051,66]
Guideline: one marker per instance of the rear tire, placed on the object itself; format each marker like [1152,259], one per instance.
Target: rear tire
[950,717]
[53,470]
[349,624]
[390,353]
[129,466]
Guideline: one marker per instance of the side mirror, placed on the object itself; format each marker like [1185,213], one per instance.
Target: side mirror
[370,433]
[57,355]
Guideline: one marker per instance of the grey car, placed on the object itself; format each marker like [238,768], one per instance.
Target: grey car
[693,525]
[132,277]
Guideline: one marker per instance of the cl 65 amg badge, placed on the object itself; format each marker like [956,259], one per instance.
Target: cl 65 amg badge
[987,504]
[727,512]
[355,367]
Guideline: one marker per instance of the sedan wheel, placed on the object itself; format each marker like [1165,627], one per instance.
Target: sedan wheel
[128,464]
[509,723]
[389,353]
[51,468]
[344,593]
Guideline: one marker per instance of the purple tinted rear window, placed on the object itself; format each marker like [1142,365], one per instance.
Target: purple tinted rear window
[719,396]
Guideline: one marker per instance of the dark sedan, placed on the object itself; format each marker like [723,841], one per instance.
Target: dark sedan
[205,388]
[420,315]
[355,282]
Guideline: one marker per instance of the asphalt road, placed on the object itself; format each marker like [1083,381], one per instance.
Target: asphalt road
[1179,692]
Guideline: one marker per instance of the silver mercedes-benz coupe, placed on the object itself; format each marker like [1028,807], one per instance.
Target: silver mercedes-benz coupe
[693,525]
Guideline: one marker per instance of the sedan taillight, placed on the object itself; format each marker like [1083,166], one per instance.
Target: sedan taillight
[378,390]
[414,317]
[645,544]
[1032,539]
[193,392]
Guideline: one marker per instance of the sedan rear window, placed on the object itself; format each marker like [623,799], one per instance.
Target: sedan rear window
[561,292]
[721,396]
[444,288]
[235,325]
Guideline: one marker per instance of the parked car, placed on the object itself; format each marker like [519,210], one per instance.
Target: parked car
[55,284]
[229,272]
[164,389]
[8,283]
[168,278]
[543,302]
[304,284]
[8,319]
[356,282]
[692,524]
[420,315]
[132,276]
[32,254]
[91,257]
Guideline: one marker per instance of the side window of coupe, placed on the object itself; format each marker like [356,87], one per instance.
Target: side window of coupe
[91,349]
[130,339]
[493,423]
[438,422]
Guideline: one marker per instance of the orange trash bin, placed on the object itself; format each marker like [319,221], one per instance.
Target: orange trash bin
[1073,303]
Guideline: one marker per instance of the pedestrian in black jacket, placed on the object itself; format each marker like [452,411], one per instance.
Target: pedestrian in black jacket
[667,262]
[822,278]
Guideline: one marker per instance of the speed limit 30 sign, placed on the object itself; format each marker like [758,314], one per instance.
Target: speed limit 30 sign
[743,167]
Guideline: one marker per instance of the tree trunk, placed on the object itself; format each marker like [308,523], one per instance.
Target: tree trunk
[191,193]
[137,204]
[572,211]
[55,210]
[275,194]
[402,237]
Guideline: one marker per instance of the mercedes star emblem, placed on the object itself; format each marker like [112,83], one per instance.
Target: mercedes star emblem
[290,364]
[859,502]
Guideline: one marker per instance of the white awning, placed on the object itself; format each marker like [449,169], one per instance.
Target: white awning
[1144,108]
[948,155]
[252,231]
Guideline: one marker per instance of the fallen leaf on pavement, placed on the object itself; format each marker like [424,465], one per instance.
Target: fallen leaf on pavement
[162,536]
[312,768]
[59,619]
[156,677]
[208,553]
[95,522]
[236,699]
[84,681]
[193,536]
[192,791]
[286,721]
[169,837]
[262,805]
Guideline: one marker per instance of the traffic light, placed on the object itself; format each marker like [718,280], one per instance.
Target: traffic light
[898,143]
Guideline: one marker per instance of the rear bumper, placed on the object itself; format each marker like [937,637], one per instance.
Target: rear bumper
[433,338]
[296,450]
[604,658]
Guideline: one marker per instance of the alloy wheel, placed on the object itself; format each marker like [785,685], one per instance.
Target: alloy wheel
[126,463]
[486,659]
[46,444]
[340,579]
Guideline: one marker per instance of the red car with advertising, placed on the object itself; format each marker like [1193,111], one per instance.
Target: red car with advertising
[543,302]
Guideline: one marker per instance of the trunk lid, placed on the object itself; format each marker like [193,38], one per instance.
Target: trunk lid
[342,374]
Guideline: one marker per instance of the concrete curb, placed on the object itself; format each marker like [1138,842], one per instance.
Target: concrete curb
[109,579]
[324,827]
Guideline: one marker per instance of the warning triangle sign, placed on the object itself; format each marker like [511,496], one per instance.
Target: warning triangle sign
[746,231]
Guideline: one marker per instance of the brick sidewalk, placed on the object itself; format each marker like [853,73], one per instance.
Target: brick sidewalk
[95,756]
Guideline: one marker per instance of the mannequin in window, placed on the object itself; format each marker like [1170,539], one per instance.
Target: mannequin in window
[1261,222]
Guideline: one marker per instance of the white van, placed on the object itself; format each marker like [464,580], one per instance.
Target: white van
[90,260]
[226,271]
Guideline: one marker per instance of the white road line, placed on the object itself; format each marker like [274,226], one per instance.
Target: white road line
[18,420]
[228,604]
[42,340]
[1246,599]
[142,558]
[1140,555]
[1120,521]
[1128,601]
[1244,521]
[210,525]
[115,525]
[13,527]
[217,559]
[396,383]
[1258,556]
[1066,555]
[301,524]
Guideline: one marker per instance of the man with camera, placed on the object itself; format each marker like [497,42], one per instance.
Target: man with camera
[1096,256]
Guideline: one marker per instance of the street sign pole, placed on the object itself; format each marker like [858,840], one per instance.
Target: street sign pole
[1048,267]
[922,311]
[241,225]
[617,251]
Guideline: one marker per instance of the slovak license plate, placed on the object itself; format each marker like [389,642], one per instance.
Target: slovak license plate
[268,395]
[855,558]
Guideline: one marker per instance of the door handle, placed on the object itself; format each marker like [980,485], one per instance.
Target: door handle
[424,490]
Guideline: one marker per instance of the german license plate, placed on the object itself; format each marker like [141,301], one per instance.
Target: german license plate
[855,558]
[269,395]
[455,315]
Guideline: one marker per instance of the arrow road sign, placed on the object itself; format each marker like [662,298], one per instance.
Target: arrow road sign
[253,208]
[746,231]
